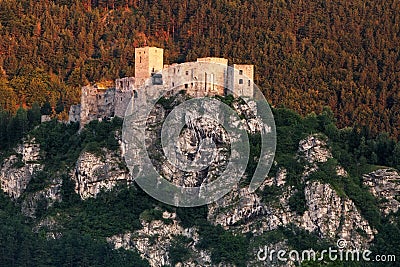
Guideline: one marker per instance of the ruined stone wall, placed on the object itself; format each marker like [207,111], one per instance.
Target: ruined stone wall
[96,104]
[74,113]
[124,90]
[198,79]
[241,79]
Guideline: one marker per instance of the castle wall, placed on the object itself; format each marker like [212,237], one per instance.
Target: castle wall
[198,79]
[122,100]
[96,104]
[74,113]
[124,89]
[241,79]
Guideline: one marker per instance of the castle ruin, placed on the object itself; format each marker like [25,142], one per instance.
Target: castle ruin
[107,100]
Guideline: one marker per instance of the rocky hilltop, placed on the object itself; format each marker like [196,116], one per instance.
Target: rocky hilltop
[297,198]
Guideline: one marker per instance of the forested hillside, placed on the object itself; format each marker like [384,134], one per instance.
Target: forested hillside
[308,54]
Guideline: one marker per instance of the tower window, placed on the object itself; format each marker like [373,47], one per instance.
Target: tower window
[248,82]
[187,72]
[140,60]
[157,79]
[240,72]
[186,85]
[240,81]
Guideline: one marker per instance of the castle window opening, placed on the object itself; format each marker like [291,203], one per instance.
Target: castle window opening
[248,82]
[135,94]
[186,85]
[140,59]
[240,81]
[152,70]
[173,84]
[240,72]
[187,72]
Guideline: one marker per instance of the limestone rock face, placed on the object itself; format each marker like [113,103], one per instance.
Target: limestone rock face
[328,214]
[46,198]
[17,170]
[385,185]
[314,149]
[93,173]
[154,239]
[332,216]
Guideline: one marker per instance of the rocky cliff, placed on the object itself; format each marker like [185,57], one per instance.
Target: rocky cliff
[153,241]
[94,173]
[385,185]
[326,212]
[16,170]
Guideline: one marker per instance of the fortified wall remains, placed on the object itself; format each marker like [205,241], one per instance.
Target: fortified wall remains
[106,100]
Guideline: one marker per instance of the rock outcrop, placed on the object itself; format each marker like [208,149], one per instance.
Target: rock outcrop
[385,185]
[16,171]
[42,199]
[328,214]
[154,239]
[96,172]
[314,149]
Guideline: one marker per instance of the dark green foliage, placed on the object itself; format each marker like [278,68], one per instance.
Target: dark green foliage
[19,246]
[300,239]
[255,150]
[46,108]
[297,202]
[34,115]
[38,182]
[192,216]
[108,214]
[224,246]
[178,251]
[18,125]
[151,215]
[387,241]
[62,145]
[68,195]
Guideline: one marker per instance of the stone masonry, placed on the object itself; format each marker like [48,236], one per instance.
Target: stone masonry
[110,99]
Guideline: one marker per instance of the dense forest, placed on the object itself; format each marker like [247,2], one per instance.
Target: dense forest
[308,54]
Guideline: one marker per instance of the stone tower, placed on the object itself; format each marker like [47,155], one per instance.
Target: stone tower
[148,60]
[241,79]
